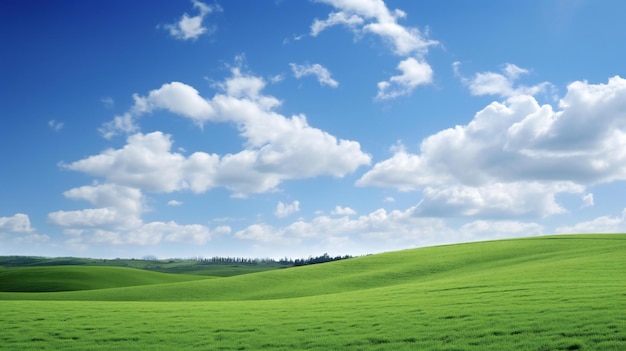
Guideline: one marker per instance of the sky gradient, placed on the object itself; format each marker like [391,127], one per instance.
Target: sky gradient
[295,128]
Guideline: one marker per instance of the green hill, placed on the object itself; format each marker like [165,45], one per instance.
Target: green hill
[528,260]
[69,278]
[540,294]
[181,266]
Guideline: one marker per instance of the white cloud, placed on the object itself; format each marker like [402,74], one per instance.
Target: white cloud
[174,203]
[20,231]
[377,223]
[604,224]
[403,171]
[177,98]
[335,18]
[277,78]
[373,16]
[414,73]
[385,230]
[118,207]
[320,72]
[124,123]
[144,162]
[173,232]
[149,234]
[499,200]
[18,223]
[389,199]
[116,220]
[91,217]
[247,86]
[191,28]
[502,84]
[343,211]
[516,153]
[260,233]
[31,239]
[55,125]
[500,229]
[283,210]
[277,148]
[587,200]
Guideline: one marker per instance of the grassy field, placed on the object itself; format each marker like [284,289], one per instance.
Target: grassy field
[69,278]
[550,293]
[180,266]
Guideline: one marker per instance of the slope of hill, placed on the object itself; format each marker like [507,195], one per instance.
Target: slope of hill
[528,259]
[181,266]
[70,278]
[551,293]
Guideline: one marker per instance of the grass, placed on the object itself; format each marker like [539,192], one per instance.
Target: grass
[69,278]
[179,266]
[551,293]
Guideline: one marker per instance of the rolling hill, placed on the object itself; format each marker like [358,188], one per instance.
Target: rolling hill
[543,293]
[70,278]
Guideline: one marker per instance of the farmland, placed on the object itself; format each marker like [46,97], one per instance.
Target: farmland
[547,293]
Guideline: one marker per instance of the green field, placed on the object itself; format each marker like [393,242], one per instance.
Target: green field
[181,266]
[548,293]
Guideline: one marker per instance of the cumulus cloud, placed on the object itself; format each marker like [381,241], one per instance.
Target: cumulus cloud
[502,84]
[174,203]
[336,18]
[175,97]
[343,211]
[116,220]
[377,223]
[120,124]
[320,72]
[500,229]
[373,17]
[18,223]
[515,156]
[388,230]
[191,27]
[173,232]
[148,234]
[414,73]
[20,231]
[277,147]
[144,162]
[604,224]
[117,207]
[499,200]
[283,210]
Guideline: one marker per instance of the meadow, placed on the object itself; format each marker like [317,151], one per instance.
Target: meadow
[547,293]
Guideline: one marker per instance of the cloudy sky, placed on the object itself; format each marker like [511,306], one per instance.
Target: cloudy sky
[294,128]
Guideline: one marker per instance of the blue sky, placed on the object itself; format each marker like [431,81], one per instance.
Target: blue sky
[294,128]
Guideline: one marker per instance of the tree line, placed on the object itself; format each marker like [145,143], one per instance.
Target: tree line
[261,261]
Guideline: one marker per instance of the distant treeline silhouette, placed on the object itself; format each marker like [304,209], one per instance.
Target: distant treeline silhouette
[259,261]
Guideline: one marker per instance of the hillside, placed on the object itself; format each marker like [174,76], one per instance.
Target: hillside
[69,278]
[223,268]
[542,294]
[528,260]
